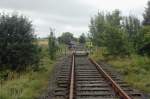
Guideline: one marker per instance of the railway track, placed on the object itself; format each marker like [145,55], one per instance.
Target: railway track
[82,78]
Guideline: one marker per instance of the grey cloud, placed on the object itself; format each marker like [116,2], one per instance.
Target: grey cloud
[56,13]
[63,15]
[60,7]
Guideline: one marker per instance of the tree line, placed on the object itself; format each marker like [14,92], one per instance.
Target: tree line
[67,37]
[121,35]
[19,48]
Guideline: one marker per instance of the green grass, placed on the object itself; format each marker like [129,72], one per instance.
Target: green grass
[30,84]
[43,42]
[135,69]
[97,54]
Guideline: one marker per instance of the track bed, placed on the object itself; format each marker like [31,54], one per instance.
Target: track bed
[80,78]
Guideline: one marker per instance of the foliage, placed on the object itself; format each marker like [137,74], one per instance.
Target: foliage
[146,15]
[66,37]
[97,29]
[82,38]
[106,31]
[88,45]
[118,35]
[121,35]
[133,27]
[18,48]
[98,53]
[145,48]
[30,84]
[146,33]
[52,45]
[135,68]
[116,42]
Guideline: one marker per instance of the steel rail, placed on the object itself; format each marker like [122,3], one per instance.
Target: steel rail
[72,78]
[122,94]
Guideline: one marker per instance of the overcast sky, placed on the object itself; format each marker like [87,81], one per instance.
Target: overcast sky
[68,15]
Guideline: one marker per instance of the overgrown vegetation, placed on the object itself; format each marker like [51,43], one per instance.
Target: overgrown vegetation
[82,39]
[53,47]
[124,42]
[18,47]
[135,69]
[25,62]
[120,35]
[28,84]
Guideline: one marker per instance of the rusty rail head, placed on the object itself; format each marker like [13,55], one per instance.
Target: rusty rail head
[122,94]
[72,78]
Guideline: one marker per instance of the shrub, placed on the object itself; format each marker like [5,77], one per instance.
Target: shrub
[18,48]
[52,45]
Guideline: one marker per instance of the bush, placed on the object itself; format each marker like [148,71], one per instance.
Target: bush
[116,42]
[52,45]
[18,48]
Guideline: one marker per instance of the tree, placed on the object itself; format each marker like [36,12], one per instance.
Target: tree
[99,24]
[97,28]
[116,41]
[114,19]
[66,37]
[106,31]
[82,38]
[18,47]
[133,27]
[146,15]
[146,31]
[52,45]
[146,23]
[115,38]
